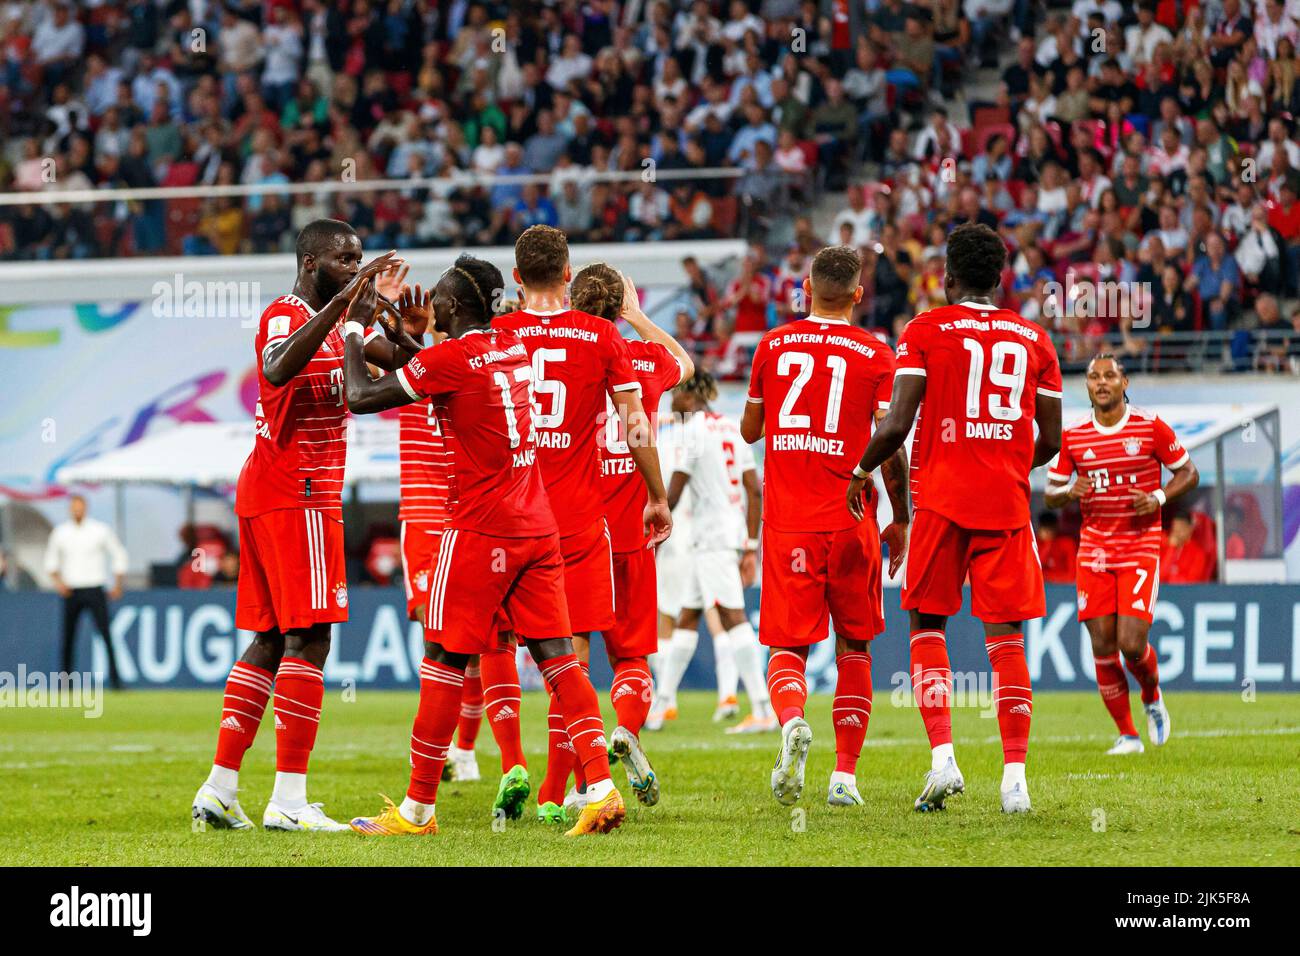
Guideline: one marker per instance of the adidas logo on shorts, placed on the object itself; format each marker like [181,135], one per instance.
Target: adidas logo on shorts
[232,723]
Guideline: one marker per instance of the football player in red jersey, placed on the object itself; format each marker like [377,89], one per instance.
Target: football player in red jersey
[816,386]
[981,378]
[580,364]
[660,363]
[1116,454]
[292,584]
[427,475]
[500,550]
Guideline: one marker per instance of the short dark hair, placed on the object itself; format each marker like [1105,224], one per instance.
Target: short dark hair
[701,384]
[835,273]
[597,289]
[319,235]
[541,253]
[976,256]
[478,284]
[1048,519]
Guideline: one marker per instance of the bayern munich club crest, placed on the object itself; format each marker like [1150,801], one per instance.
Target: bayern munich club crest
[422,581]
[341,595]
[1132,446]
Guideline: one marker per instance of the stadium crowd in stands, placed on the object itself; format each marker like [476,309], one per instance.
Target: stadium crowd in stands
[1123,149]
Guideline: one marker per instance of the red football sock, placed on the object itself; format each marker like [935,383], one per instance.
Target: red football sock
[581,711]
[851,709]
[786,684]
[631,692]
[1146,671]
[1012,694]
[559,755]
[1113,685]
[501,697]
[471,709]
[299,690]
[932,685]
[579,776]
[248,688]
[441,688]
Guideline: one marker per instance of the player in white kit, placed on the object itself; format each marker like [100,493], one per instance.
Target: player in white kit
[716,465]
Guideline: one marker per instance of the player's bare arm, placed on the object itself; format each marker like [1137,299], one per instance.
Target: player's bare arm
[753,515]
[645,327]
[641,445]
[367,395]
[751,423]
[1047,415]
[1184,480]
[894,473]
[891,433]
[287,358]
[676,485]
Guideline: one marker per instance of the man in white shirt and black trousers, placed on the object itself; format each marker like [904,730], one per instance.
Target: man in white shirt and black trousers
[78,558]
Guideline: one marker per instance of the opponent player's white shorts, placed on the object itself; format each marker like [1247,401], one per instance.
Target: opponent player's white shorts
[673,569]
[715,580]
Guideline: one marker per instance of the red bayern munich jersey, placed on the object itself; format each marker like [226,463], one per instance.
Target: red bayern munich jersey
[426,473]
[482,388]
[658,370]
[1117,459]
[577,360]
[973,447]
[301,432]
[820,382]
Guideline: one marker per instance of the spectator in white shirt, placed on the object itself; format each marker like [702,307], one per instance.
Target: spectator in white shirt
[1143,37]
[79,557]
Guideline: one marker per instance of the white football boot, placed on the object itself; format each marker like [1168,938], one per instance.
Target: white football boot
[787,775]
[939,786]
[310,818]
[843,791]
[1015,800]
[1159,725]
[464,768]
[217,813]
[574,801]
[624,745]
[1126,745]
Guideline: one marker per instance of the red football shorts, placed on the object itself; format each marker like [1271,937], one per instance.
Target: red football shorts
[589,578]
[1006,578]
[419,554]
[635,632]
[1105,590]
[291,572]
[478,574]
[813,577]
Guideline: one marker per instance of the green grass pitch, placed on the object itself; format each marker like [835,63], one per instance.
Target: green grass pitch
[116,791]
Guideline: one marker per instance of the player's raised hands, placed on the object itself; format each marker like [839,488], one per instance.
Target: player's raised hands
[372,269]
[1143,503]
[895,538]
[392,283]
[361,308]
[416,308]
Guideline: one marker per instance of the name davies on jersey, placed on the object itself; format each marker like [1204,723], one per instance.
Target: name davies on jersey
[802,441]
[818,338]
